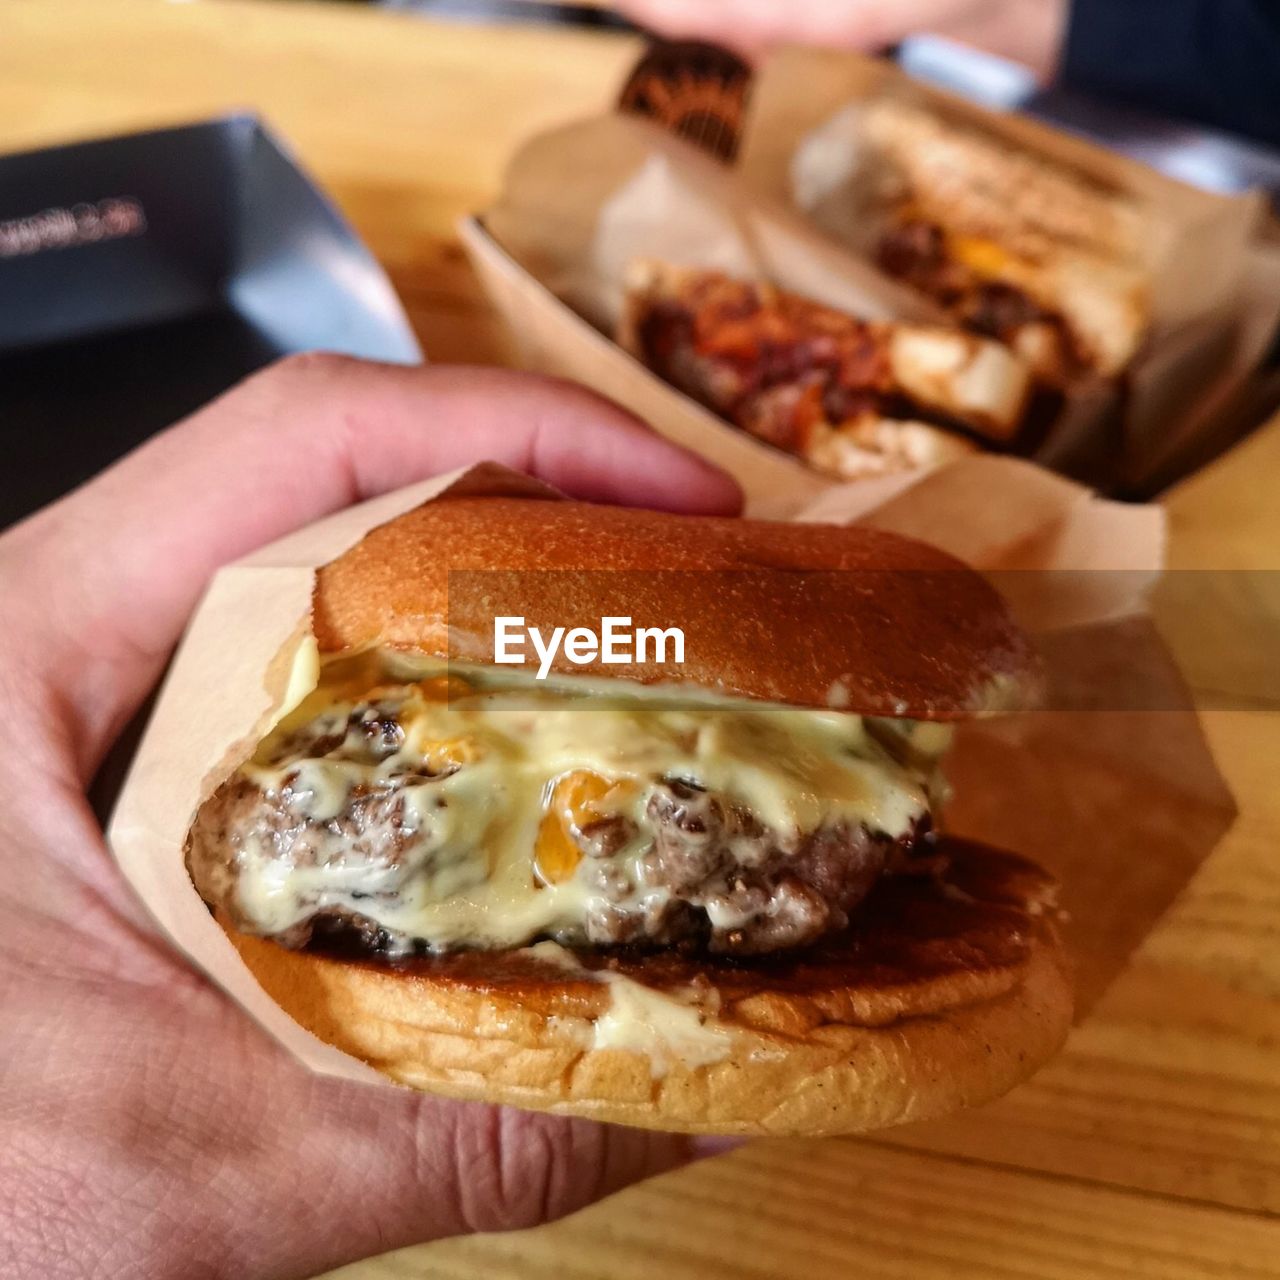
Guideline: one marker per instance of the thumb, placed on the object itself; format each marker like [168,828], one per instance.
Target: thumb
[109,575]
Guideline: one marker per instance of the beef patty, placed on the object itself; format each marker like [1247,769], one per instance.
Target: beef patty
[679,864]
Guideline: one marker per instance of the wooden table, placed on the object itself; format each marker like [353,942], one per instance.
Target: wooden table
[1151,1146]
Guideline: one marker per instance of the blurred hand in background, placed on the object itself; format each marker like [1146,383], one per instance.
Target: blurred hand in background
[1210,61]
[149,1129]
[1028,31]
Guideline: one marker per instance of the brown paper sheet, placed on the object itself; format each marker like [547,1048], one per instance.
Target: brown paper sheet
[223,685]
[1111,784]
[582,201]
[1211,322]
[1060,784]
[1167,436]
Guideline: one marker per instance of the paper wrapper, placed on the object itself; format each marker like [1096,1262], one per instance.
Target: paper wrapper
[228,677]
[1121,804]
[1214,304]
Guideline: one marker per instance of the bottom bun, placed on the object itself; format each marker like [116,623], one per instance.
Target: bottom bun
[940,995]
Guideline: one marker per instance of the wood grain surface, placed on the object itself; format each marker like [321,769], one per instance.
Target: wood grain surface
[1151,1146]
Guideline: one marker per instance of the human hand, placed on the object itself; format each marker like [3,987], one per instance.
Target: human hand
[149,1128]
[1028,31]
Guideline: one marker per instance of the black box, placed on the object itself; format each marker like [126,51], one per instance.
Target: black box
[142,275]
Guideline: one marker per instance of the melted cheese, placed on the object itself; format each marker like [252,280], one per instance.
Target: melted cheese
[304,675]
[988,259]
[662,1028]
[465,872]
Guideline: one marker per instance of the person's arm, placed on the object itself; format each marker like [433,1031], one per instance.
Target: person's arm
[1215,61]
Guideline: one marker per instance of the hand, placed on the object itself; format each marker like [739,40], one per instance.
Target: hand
[148,1127]
[1028,31]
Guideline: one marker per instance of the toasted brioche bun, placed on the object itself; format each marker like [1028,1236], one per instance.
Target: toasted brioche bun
[934,999]
[850,618]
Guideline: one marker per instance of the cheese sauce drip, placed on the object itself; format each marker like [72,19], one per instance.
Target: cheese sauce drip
[661,1027]
[493,771]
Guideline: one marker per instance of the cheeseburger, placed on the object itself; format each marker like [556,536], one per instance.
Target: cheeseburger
[693,881]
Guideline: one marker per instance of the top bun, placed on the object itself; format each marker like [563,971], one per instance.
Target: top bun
[829,616]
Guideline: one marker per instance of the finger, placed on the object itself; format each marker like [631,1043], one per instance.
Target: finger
[756,26]
[453,1168]
[318,433]
[115,568]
